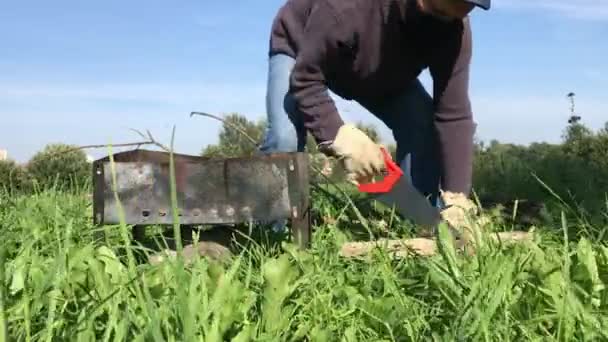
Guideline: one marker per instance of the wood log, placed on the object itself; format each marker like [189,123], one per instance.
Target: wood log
[419,246]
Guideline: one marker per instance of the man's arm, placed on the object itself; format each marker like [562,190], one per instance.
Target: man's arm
[453,115]
[318,53]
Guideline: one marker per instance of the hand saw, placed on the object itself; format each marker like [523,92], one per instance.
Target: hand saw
[395,190]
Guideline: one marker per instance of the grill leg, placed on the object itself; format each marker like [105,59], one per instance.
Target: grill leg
[300,212]
[139,236]
[301,229]
[139,233]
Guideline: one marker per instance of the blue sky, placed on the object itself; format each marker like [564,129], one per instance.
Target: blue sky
[84,72]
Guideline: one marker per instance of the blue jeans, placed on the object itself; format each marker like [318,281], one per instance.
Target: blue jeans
[409,116]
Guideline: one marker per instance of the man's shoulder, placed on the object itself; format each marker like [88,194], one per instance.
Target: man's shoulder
[348,9]
[342,10]
[291,7]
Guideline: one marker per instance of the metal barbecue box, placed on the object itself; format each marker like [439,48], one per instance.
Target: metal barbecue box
[262,188]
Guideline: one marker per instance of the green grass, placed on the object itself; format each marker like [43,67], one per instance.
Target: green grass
[61,284]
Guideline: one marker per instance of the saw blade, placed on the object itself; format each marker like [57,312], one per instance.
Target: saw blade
[410,203]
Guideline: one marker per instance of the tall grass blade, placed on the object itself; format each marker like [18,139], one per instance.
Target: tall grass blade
[143,303]
[3,318]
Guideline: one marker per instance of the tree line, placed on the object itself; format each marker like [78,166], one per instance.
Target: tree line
[574,170]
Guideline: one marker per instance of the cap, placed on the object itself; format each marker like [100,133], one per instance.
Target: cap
[485,4]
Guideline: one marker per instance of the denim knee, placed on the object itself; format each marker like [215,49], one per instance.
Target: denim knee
[285,130]
[280,140]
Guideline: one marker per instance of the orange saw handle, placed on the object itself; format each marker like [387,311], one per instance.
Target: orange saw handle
[394,172]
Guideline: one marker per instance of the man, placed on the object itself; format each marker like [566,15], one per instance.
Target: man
[372,52]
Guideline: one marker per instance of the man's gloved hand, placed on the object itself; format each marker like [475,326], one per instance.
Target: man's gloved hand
[461,216]
[360,157]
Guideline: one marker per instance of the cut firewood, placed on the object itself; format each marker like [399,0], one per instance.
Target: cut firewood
[419,246]
[513,236]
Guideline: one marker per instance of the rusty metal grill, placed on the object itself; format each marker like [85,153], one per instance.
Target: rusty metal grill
[209,191]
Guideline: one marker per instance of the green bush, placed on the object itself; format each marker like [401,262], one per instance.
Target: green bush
[59,165]
[13,177]
[575,170]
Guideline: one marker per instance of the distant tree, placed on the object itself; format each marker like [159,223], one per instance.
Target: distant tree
[59,165]
[575,169]
[588,148]
[13,177]
[577,140]
[232,142]
[601,147]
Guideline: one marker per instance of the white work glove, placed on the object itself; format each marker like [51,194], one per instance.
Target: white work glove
[461,215]
[360,157]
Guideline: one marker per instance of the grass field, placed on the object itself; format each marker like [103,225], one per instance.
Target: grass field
[61,284]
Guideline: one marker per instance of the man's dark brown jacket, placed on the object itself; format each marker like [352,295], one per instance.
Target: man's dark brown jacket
[370,50]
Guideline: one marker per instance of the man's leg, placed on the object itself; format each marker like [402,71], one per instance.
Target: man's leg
[410,117]
[285,129]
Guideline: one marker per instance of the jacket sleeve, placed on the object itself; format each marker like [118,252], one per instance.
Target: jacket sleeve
[453,114]
[317,56]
